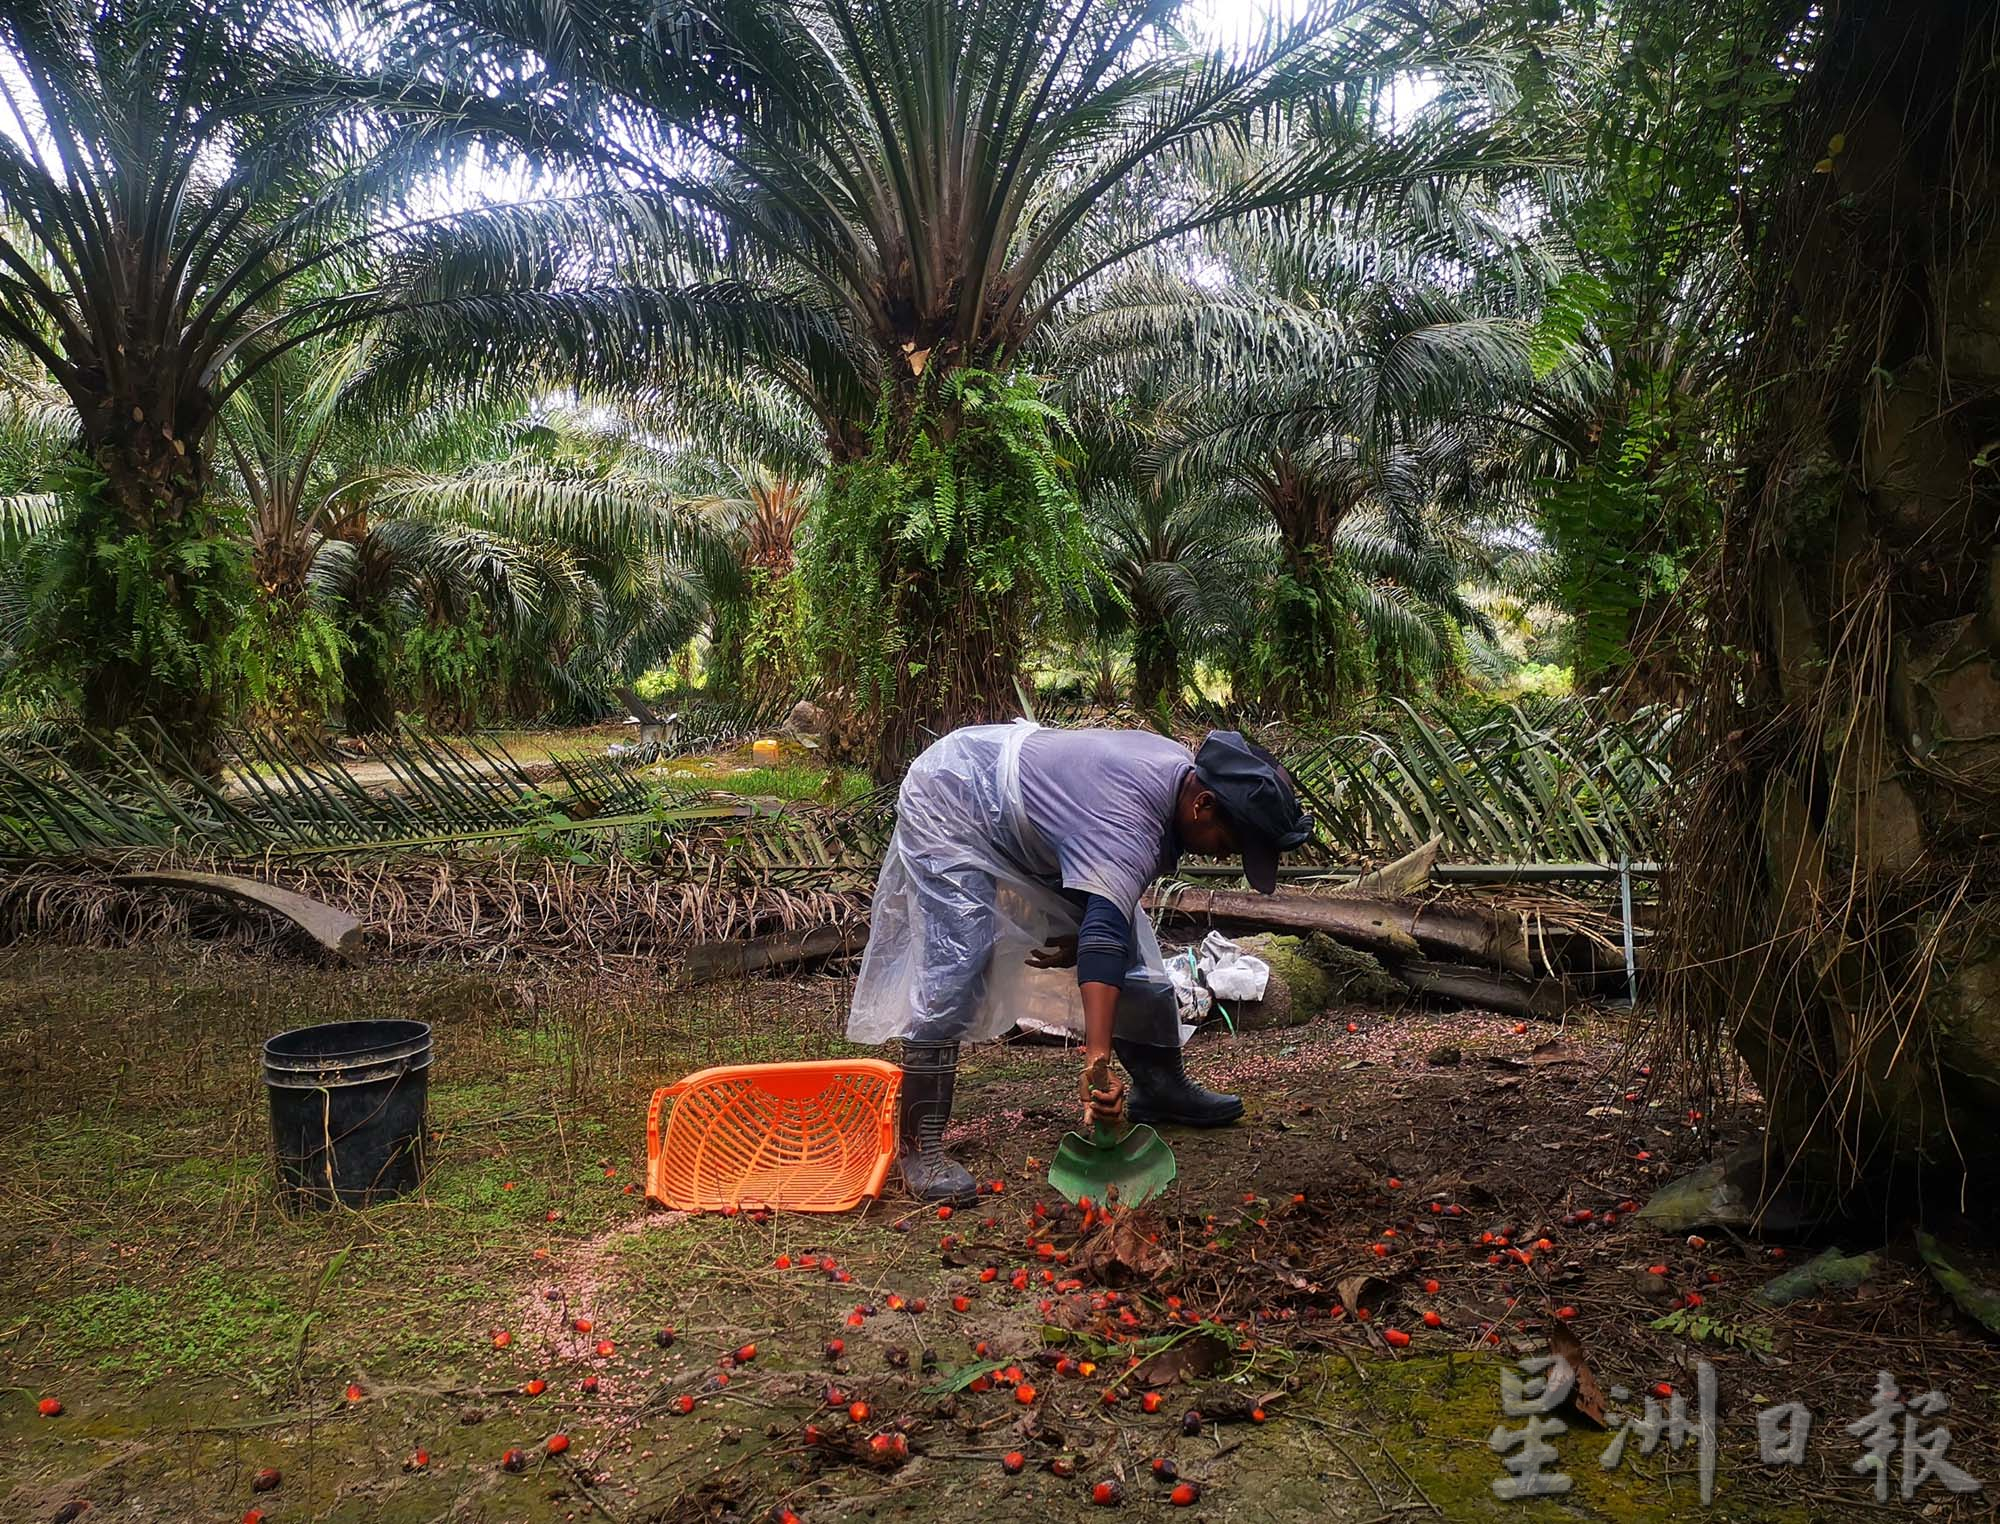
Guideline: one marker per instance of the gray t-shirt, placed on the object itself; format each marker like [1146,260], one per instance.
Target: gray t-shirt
[1103,801]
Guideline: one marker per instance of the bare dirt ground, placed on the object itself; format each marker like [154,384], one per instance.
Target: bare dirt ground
[197,1337]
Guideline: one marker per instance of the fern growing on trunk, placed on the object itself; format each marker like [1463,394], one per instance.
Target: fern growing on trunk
[927,554]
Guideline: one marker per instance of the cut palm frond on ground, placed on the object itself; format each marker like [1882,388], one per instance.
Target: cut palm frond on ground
[523,907]
[1566,784]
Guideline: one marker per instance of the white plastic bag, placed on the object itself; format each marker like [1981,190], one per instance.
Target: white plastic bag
[1230,972]
[1193,995]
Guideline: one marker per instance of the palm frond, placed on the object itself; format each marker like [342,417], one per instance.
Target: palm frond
[1568,782]
[613,514]
[23,515]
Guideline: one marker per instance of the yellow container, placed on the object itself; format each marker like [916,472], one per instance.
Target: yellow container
[765,750]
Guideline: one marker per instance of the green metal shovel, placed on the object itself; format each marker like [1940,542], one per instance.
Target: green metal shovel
[1128,1165]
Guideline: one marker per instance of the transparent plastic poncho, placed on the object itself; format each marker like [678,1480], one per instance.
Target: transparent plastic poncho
[966,892]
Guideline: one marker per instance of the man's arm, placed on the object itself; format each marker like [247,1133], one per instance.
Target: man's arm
[1103,943]
[1103,954]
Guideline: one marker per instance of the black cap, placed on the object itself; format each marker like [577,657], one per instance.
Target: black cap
[1257,795]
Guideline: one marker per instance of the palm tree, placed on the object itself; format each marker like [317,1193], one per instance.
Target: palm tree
[566,542]
[1633,422]
[37,430]
[1832,893]
[187,192]
[1353,415]
[1627,435]
[1176,568]
[748,459]
[754,601]
[37,433]
[551,542]
[153,172]
[879,195]
[303,446]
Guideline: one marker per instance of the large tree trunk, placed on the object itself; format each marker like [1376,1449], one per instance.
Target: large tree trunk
[296,696]
[368,702]
[367,665]
[1314,658]
[724,665]
[1836,886]
[158,588]
[934,642]
[281,548]
[957,667]
[1156,664]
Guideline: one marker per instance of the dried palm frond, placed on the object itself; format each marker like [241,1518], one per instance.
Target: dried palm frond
[1568,783]
[490,910]
[284,794]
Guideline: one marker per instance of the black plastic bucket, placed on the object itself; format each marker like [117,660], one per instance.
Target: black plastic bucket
[347,1110]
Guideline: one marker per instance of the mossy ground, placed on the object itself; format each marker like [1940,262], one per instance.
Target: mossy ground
[1431,1421]
[196,1334]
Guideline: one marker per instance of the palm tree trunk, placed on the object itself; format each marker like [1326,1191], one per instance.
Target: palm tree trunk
[1156,663]
[1314,652]
[958,665]
[280,565]
[368,702]
[958,642]
[1837,887]
[280,561]
[368,694]
[724,665]
[159,588]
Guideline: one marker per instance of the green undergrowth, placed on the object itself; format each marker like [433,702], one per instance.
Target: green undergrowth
[207,1322]
[142,1246]
[791,782]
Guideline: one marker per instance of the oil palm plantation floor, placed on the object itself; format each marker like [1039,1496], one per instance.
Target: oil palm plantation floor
[196,1337]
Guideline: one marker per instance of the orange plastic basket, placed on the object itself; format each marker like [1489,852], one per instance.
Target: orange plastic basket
[805,1137]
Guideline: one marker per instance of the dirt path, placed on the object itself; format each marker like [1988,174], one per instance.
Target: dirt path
[371,775]
[368,775]
[197,1338]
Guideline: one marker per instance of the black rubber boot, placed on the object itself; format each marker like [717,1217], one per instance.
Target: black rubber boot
[1162,1092]
[930,1074]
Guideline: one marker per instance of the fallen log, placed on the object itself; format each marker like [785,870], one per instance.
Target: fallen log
[1388,928]
[708,961]
[335,930]
[1486,988]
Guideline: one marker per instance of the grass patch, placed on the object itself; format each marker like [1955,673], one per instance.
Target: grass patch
[793,782]
[207,1324]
